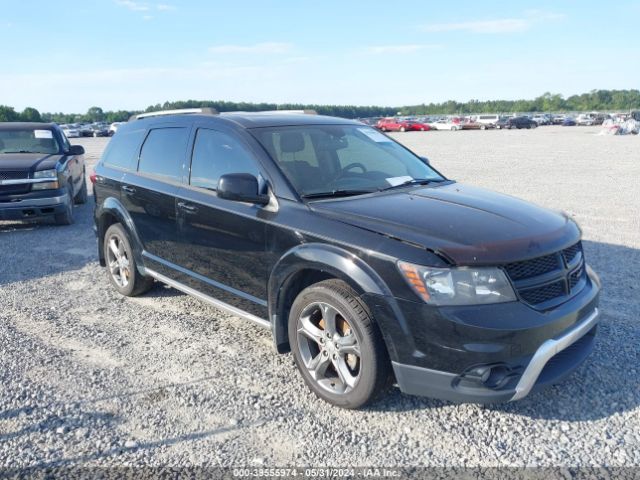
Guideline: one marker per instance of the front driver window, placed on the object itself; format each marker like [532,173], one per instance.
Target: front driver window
[216,154]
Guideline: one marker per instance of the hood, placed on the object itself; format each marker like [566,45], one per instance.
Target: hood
[28,161]
[467,225]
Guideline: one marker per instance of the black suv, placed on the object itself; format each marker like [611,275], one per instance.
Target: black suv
[516,122]
[41,174]
[360,257]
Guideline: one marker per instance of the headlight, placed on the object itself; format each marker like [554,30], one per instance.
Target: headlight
[458,286]
[46,174]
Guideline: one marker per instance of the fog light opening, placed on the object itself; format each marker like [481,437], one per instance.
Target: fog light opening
[493,377]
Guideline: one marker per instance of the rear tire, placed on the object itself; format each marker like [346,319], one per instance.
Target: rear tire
[121,265]
[337,348]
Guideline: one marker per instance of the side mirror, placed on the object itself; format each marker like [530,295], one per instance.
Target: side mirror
[241,187]
[425,160]
[76,150]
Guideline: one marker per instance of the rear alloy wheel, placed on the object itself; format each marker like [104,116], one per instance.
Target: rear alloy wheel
[336,346]
[121,266]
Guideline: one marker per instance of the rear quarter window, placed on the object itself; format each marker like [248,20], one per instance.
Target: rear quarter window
[123,149]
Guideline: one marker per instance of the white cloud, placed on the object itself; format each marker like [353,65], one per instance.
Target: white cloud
[503,25]
[265,47]
[498,25]
[408,48]
[134,6]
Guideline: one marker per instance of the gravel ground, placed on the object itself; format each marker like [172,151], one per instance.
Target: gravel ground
[91,378]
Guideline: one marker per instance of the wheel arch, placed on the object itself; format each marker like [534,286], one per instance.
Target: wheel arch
[311,263]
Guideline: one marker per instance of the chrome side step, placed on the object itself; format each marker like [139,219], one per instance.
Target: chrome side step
[210,300]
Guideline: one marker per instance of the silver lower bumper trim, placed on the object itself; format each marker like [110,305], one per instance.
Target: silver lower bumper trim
[206,298]
[36,202]
[550,348]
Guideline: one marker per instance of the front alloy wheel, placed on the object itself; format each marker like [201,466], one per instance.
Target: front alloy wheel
[336,345]
[329,347]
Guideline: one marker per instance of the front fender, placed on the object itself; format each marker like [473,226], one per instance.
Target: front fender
[110,209]
[334,261]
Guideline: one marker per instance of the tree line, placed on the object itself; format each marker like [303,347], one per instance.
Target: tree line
[596,100]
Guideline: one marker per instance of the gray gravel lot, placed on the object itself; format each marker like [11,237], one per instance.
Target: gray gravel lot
[90,378]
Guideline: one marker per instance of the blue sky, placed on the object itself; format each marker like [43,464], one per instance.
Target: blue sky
[70,55]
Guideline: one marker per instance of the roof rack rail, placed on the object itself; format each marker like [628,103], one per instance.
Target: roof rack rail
[284,112]
[181,111]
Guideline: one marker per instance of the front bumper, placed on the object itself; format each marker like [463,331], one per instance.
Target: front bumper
[30,206]
[540,371]
[489,353]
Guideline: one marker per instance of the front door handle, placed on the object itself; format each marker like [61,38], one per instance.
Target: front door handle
[128,190]
[187,207]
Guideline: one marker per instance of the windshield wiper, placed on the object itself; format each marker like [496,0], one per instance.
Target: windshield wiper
[21,151]
[336,193]
[415,181]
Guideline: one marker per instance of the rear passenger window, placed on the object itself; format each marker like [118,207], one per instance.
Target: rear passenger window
[123,148]
[216,154]
[163,153]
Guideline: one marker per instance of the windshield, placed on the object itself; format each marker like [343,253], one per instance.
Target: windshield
[350,159]
[28,140]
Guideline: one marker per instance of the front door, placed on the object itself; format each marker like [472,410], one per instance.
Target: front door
[222,242]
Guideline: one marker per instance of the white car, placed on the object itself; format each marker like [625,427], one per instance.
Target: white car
[446,124]
[585,119]
[70,132]
[113,128]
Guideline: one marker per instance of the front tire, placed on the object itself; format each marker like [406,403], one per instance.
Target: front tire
[66,217]
[83,194]
[121,265]
[336,346]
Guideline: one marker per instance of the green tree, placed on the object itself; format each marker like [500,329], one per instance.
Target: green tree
[30,114]
[8,114]
[94,114]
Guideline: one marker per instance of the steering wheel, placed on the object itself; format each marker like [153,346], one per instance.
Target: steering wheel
[355,165]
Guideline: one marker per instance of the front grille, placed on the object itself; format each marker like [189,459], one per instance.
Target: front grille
[532,268]
[538,295]
[547,281]
[570,253]
[13,189]
[9,175]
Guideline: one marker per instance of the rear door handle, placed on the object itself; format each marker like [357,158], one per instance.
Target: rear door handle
[187,207]
[128,189]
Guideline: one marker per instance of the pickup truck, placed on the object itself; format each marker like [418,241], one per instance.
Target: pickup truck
[41,174]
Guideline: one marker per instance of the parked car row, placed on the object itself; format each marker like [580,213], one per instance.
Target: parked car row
[97,129]
[483,121]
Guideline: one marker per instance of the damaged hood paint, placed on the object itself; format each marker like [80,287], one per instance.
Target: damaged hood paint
[466,225]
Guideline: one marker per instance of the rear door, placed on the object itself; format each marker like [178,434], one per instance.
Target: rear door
[221,242]
[149,193]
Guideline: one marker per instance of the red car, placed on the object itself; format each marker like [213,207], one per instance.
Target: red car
[418,127]
[396,125]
